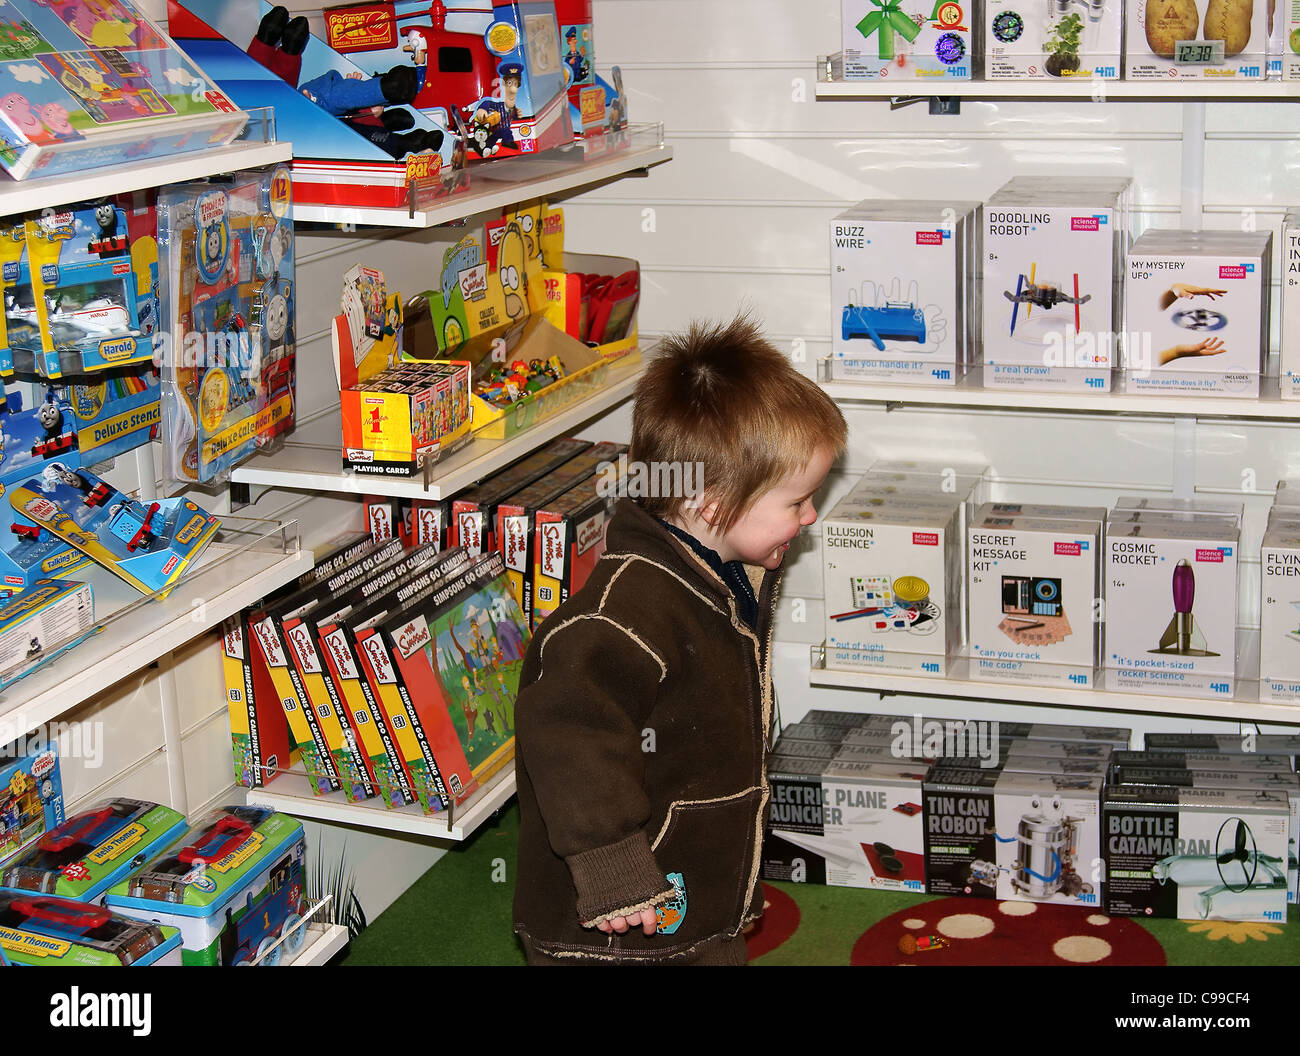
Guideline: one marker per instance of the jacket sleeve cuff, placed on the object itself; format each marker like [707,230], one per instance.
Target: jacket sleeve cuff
[618,880]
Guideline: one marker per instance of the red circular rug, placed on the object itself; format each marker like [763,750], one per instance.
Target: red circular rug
[779,921]
[985,932]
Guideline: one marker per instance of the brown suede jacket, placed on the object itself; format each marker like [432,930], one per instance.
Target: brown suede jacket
[644,711]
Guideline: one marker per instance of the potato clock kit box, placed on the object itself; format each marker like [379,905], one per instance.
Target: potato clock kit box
[1033,586]
[1197,39]
[1171,606]
[1195,853]
[1198,311]
[902,291]
[1053,258]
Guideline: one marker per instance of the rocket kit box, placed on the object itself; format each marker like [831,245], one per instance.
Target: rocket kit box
[1195,853]
[234,884]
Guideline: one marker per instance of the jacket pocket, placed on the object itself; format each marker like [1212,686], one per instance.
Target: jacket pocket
[713,845]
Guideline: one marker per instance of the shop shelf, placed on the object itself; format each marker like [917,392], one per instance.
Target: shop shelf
[290,793]
[247,559]
[1083,89]
[312,458]
[968,392]
[258,147]
[1243,705]
[492,185]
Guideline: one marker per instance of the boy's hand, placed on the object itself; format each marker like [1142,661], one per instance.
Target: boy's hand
[646,918]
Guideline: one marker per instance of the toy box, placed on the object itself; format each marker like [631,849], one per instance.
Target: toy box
[1171,607]
[1279,613]
[113,415]
[881,41]
[1196,854]
[892,585]
[459,649]
[227,285]
[1245,743]
[45,930]
[1198,311]
[1190,40]
[1289,367]
[31,798]
[93,850]
[73,305]
[1053,264]
[259,733]
[846,823]
[149,546]
[1285,781]
[42,622]
[1033,590]
[473,519]
[94,86]
[1246,762]
[1288,14]
[234,884]
[1127,505]
[1060,38]
[902,295]
[395,421]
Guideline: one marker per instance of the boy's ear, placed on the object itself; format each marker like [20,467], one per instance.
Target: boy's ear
[707,511]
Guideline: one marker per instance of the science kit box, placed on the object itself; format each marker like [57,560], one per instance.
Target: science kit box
[881,41]
[94,849]
[1033,590]
[1058,39]
[1195,853]
[902,291]
[892,577]
[1187,39]
[1053,262]
[1289,368]
[1171,607]
[233,883]
[1198,312]
[860,828]
[1279,612]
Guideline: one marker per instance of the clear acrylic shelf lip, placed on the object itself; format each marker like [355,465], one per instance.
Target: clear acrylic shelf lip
[968,391]
[1248,702]
[1094,89]
[508,181]
[256,147]
[247,558]
[290,793]
[312,456]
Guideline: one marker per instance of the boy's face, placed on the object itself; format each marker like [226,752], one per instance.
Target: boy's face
[766,530]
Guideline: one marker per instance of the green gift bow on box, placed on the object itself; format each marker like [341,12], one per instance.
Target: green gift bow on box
[888,20]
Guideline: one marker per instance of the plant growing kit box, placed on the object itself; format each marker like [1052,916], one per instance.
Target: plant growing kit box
[902,291]
[94,849]
[892,578]
[1032,588]
[233,883]
[1171,607]
[1288,12]
[1061,38]
[1195,853]
[1197,307]
[882,42]
[1196,39]
[1053,258]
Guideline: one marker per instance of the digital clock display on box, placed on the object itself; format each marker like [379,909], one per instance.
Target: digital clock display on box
[1198,53]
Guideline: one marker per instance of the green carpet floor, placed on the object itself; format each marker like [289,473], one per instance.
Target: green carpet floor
[458,913]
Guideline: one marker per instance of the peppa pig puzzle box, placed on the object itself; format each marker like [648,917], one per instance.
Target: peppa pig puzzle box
[85,85]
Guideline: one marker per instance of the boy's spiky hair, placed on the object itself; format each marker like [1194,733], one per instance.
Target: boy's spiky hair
[723,396]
